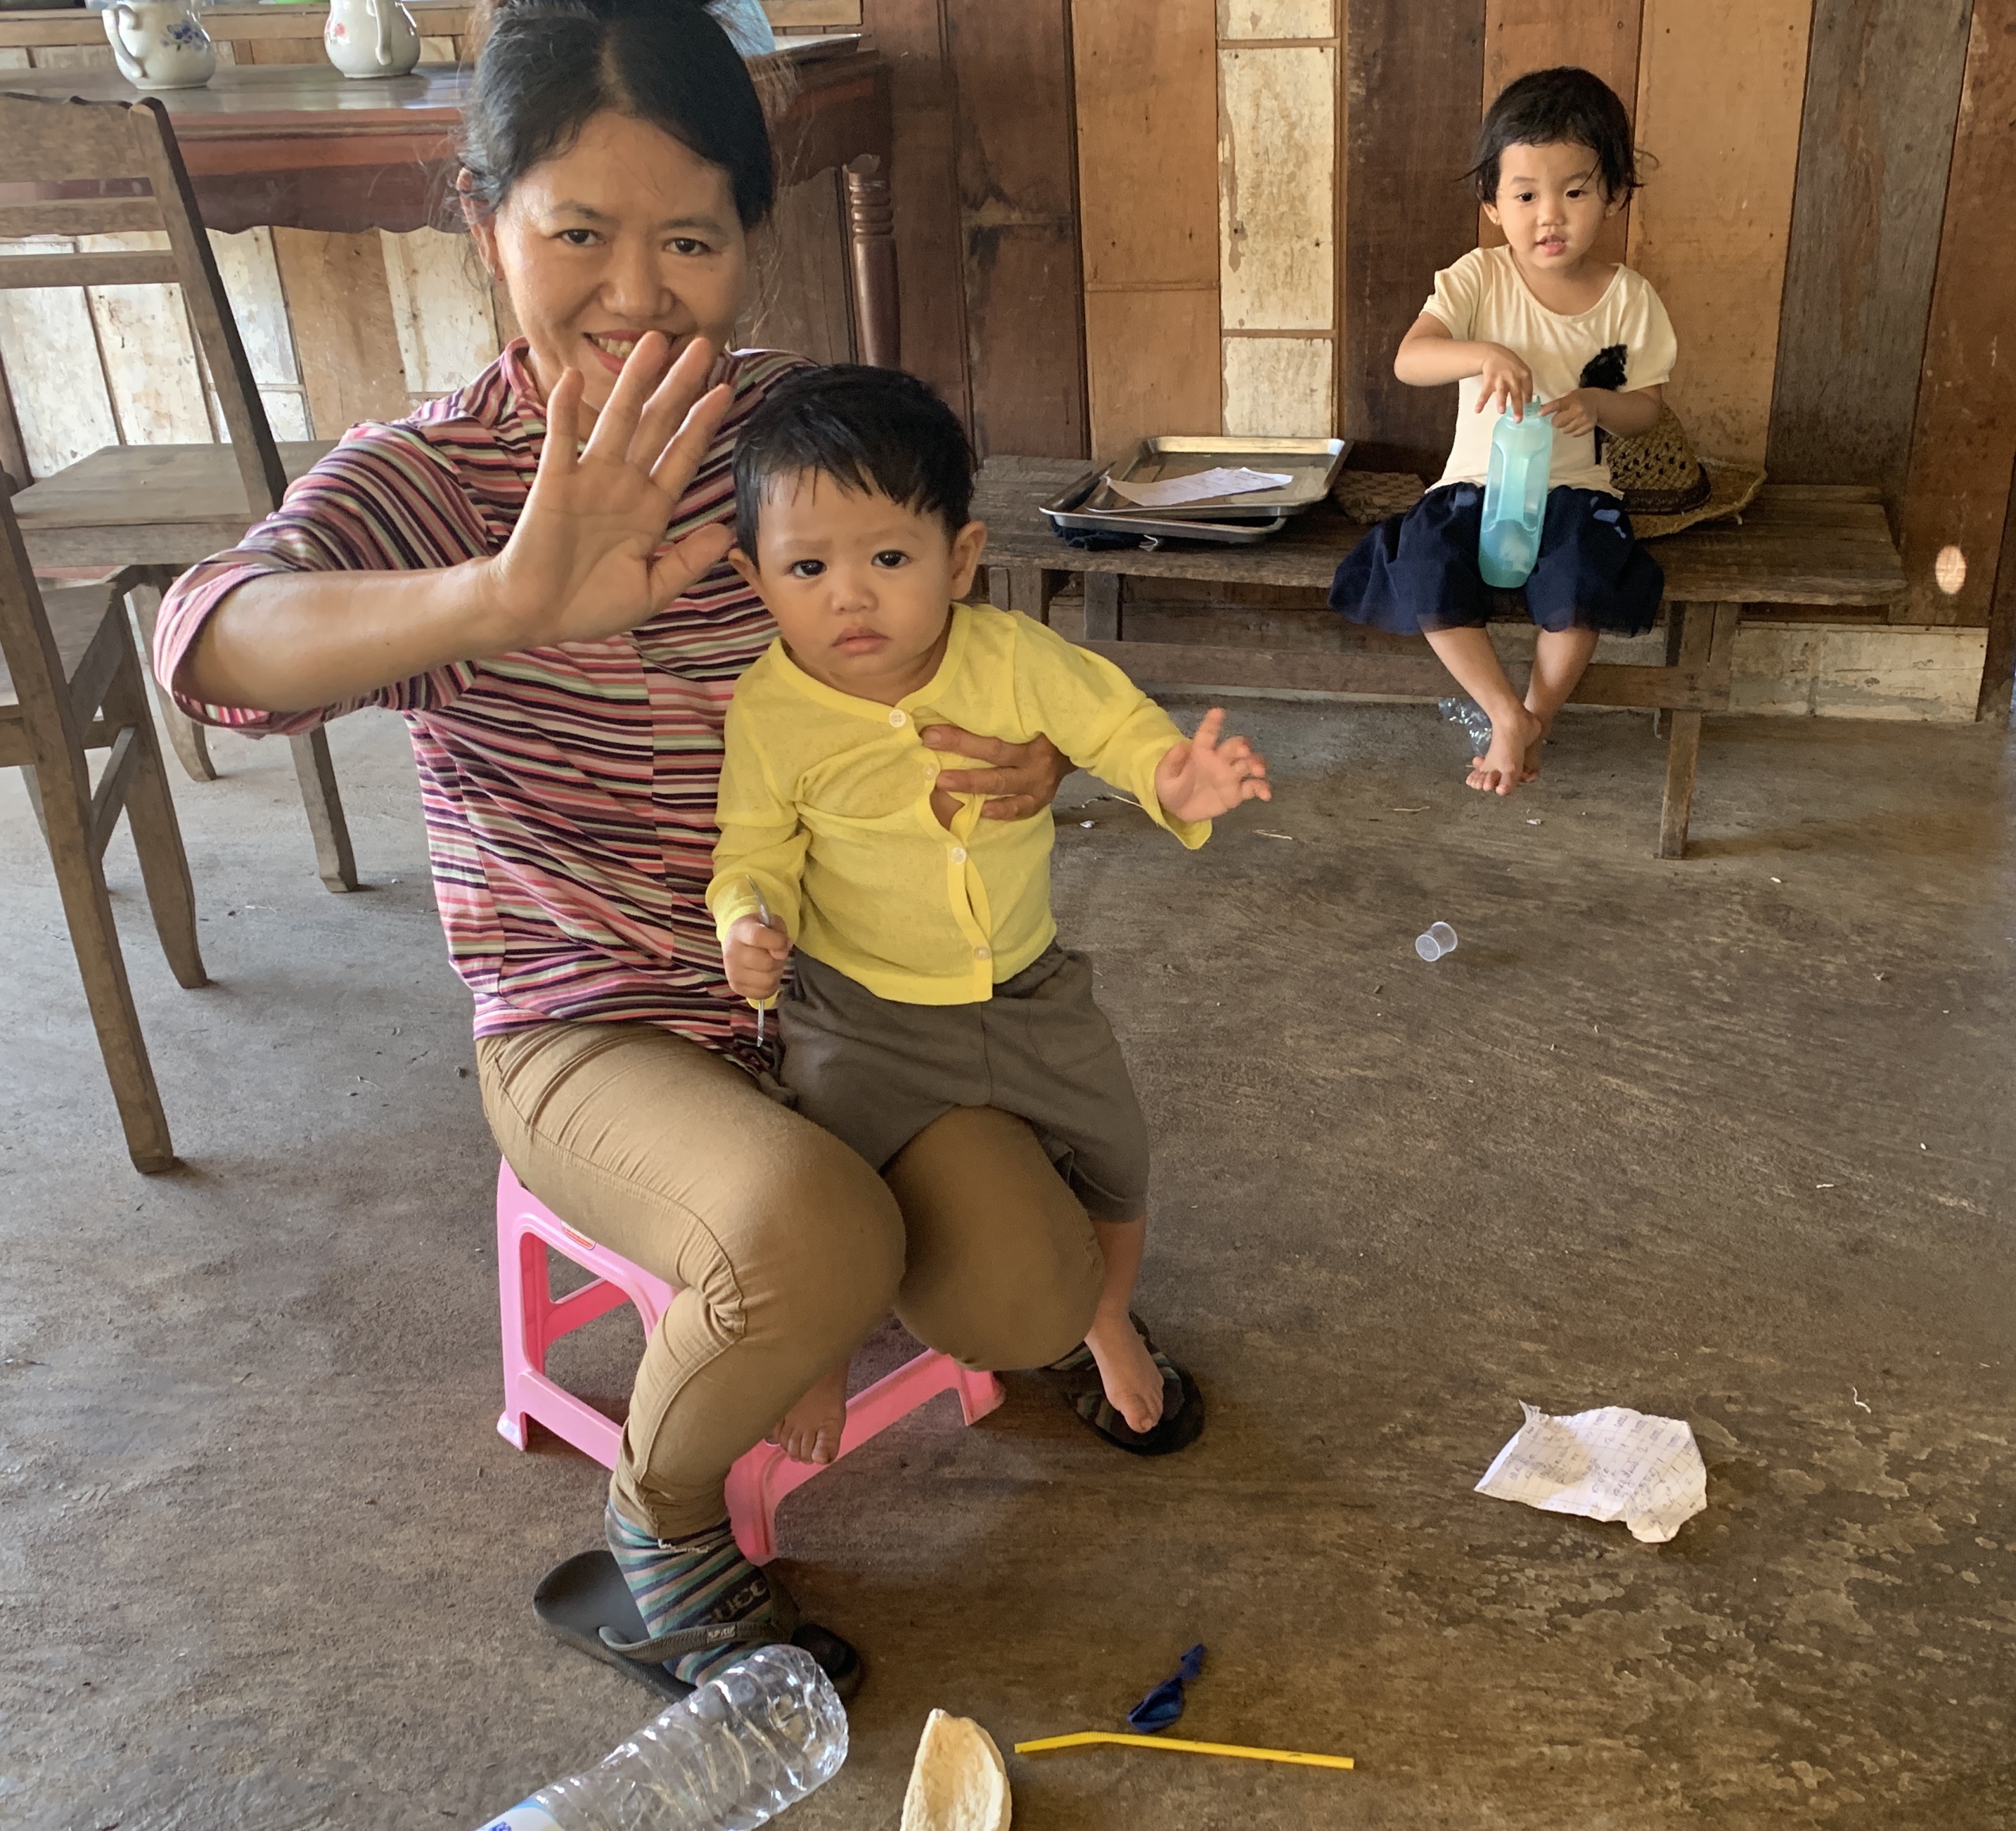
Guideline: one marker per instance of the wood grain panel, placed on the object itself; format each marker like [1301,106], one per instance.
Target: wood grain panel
[1276,19]
[929,261]
[1964,432]
[1277,160]
[49,349]
[1719,86]
[347,341]
[1883,85]
[1147,81]
[1280,387]
[1413,76]
[1600,36]
[1017,184]
[1151,365]
[149,353]
[801,276]
[441,312]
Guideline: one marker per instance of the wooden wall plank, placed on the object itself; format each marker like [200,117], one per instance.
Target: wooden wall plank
[49,347]
[1277,156]
[1276,19]
[1720,89]
[1413,76]
[251,279]
[441,311]
[1280,387]
[1963,437]
[148,352]
[1151,365]
[1146,81]
[1600,36]
[802,277]
[1018,204]
[930,269]
[1883,85]
[347,341]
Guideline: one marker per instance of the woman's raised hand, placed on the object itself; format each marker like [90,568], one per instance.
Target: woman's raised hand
[583,563]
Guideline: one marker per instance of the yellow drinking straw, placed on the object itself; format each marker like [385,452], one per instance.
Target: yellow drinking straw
[1085,1737]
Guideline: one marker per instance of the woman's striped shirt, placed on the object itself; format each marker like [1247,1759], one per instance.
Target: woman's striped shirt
[568,792]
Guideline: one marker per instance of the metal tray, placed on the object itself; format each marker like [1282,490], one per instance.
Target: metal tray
[1065,514]
[1313,465]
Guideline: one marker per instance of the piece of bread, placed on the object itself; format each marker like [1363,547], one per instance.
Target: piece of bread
[959,1781]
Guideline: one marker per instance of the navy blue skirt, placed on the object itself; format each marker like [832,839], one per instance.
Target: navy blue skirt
[1417,572]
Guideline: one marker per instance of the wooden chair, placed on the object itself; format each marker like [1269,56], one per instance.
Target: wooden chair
[100,168]
[71,680]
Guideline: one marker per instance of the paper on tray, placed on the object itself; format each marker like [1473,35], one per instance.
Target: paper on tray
[1611,1464]
[1205,486]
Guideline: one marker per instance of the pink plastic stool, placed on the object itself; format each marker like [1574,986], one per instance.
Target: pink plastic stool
[534,1321]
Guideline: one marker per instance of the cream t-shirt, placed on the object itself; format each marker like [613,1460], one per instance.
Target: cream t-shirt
[1482,299]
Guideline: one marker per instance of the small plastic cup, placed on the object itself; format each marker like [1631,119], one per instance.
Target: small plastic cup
[1439,940]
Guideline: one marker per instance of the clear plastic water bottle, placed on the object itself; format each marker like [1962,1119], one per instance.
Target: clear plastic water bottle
[1515,497]
[730,1757]
[1471,719]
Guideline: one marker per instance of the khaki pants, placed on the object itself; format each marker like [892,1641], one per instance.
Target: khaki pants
[786,1249]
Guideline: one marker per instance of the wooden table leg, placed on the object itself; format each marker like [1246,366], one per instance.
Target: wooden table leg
[871,250]
[1030,590]
[183,731]
[335,864]
[1102,607]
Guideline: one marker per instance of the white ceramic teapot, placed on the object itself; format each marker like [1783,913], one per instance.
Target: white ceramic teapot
[159,45]
[371,38]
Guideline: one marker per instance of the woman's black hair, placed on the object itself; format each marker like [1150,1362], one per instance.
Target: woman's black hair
[548,67]
[1564,106]
[873,431]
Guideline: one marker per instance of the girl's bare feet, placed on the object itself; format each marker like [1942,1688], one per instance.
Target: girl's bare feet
[810,1430]
[1132,1381]
[1515,754]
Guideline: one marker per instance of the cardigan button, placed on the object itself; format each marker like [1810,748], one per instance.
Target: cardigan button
[983,953]
[959,855]
[896,715]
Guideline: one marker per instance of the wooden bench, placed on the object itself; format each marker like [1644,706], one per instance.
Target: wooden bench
[1796,544]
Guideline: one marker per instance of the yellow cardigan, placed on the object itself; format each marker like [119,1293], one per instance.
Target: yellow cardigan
[825,807]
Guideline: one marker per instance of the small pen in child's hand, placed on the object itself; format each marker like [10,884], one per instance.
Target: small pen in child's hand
[763,916]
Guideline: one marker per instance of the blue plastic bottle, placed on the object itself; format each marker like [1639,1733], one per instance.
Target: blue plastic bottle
[1515,497]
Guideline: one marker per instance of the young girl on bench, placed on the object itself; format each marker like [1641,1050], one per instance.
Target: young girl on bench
[1540,319]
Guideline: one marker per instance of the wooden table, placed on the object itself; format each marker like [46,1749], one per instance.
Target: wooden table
[1797,543]
[301,146]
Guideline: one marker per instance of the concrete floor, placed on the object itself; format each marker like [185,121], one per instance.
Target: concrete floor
[1727,1139]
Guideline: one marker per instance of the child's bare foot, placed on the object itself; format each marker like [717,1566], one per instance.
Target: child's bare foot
[1132,1381]
[1531,768]
[1514,756]
[810,1430]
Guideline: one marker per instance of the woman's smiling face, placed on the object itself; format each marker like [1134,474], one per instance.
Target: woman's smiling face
[627,231]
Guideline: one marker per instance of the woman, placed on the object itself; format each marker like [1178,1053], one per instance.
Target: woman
[562,634]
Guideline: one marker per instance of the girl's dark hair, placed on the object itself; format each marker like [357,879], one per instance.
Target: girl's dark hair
[1552,108]
[871,430]
[548,67]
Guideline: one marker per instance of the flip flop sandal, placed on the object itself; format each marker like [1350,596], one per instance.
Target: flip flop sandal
[1077,1377]
[586,1602]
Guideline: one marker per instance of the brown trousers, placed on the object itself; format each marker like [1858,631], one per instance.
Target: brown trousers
[786,1249]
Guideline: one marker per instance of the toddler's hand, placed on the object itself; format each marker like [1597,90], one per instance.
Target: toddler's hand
[1574,413]
[1205,778]
[755,957]
[1504,383]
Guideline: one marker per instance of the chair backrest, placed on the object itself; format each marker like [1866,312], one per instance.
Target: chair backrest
[96,168]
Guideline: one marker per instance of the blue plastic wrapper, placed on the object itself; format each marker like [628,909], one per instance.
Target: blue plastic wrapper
[1163,1705]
